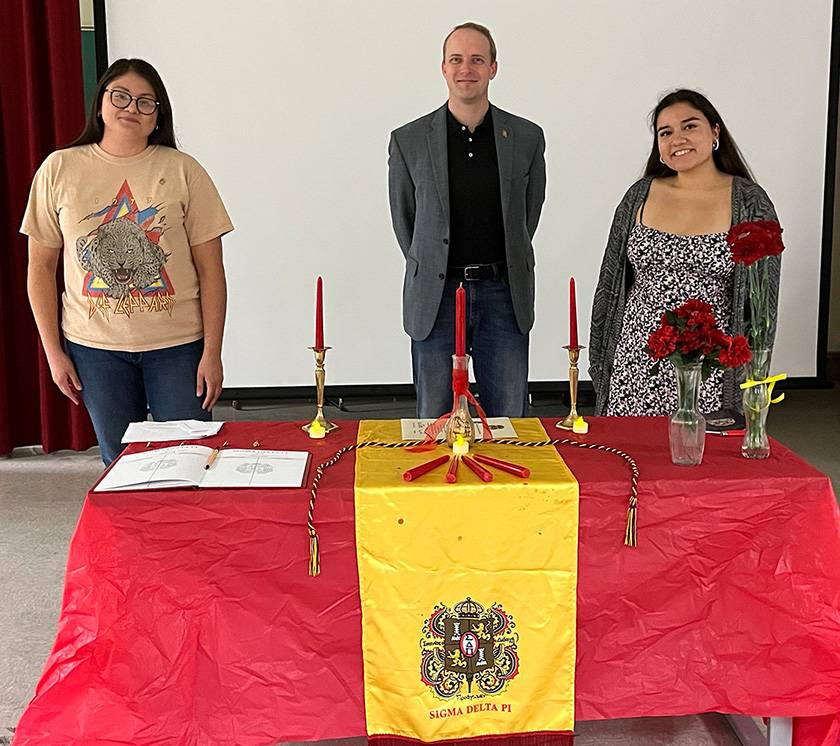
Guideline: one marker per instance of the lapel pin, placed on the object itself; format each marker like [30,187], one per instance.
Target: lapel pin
[504,132]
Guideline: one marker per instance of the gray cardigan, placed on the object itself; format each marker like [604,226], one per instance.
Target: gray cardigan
[749,202]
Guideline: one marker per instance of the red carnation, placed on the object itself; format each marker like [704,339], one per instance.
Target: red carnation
[701,321]
[754,240]
[736,354]
[690,334]
[717,340]
[690,341]
[712,339]
[662,342]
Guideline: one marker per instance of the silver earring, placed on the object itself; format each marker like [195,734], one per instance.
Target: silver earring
[661,160]
[715,144]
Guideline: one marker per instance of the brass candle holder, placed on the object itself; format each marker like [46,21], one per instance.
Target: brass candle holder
[320,380]
[574,353]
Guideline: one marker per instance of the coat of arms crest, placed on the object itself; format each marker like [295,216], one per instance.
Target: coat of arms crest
[468,644]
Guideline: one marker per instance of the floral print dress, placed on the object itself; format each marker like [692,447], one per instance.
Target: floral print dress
[668,270]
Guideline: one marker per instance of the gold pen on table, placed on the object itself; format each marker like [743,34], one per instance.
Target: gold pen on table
[212,457]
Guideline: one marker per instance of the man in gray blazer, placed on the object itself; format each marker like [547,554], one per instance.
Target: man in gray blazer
[466,186]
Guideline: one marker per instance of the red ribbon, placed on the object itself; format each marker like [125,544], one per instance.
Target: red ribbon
[460,387]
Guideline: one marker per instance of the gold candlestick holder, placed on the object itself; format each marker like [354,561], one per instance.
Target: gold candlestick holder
[574,354]
[320,380]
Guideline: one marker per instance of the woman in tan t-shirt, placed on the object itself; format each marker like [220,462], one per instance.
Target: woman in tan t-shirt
[138,226]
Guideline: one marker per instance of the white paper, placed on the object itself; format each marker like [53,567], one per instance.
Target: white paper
[176,466]
[241,467]
[154,432]
[184,466]
[501,427]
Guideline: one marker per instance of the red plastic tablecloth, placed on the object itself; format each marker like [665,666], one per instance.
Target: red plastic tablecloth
[188,616]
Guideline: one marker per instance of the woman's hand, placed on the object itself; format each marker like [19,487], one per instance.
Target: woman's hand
[209,379]
[64,375]
[43,296]
[207,258]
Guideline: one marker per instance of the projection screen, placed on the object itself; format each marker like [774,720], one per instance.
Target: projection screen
[289,106]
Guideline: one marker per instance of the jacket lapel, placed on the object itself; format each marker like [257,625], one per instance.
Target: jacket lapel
[504,152]
[436,139]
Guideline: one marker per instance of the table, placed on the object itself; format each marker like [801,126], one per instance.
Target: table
[188,616]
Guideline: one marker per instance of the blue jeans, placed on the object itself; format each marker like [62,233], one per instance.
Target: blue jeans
[122,387]
[499,353]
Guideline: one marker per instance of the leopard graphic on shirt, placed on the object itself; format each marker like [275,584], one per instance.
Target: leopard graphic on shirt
[124,261]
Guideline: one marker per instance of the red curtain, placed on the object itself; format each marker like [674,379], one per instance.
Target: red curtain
[41,108]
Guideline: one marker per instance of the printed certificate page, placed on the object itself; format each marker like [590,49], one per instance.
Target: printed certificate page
[176,466]
[240,467]
[501,427]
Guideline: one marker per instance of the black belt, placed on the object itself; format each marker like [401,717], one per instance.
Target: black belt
[493,271]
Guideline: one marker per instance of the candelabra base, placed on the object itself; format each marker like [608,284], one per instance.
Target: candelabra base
[568,423]
[327,426]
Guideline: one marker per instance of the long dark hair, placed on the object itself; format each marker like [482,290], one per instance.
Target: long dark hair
[727,157]
[164,133]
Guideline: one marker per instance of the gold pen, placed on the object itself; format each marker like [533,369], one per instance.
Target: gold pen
[212,457]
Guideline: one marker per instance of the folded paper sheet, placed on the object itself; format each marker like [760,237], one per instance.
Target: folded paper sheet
[158,432]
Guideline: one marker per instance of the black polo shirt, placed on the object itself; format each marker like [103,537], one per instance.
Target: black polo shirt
[476,228]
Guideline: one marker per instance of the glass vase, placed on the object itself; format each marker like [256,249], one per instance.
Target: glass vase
[756,400]
[460,420]
[687,428]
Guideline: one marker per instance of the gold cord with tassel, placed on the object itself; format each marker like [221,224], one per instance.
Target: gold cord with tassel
[314,554]
[630,537]
[630,530]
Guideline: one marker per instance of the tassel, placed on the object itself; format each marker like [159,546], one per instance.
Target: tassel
[314,554]
[630,539]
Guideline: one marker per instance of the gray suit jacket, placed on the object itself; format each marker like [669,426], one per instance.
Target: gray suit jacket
[418,182]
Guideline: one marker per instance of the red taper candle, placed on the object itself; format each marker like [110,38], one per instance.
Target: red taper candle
[452,471]
[510,468]
[478,469]
[460,321]
[573,336]
[319,315]
[419,471]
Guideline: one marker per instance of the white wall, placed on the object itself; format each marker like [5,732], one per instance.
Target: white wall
[289,106]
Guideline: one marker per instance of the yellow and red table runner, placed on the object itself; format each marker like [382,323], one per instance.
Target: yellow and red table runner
[468,592]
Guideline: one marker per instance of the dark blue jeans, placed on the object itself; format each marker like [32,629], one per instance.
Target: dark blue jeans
[122,387]
[499,353]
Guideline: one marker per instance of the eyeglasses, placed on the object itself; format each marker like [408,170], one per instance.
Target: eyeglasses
[122,100]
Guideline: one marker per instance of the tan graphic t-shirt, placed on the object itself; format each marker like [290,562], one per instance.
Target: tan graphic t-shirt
[126,226]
